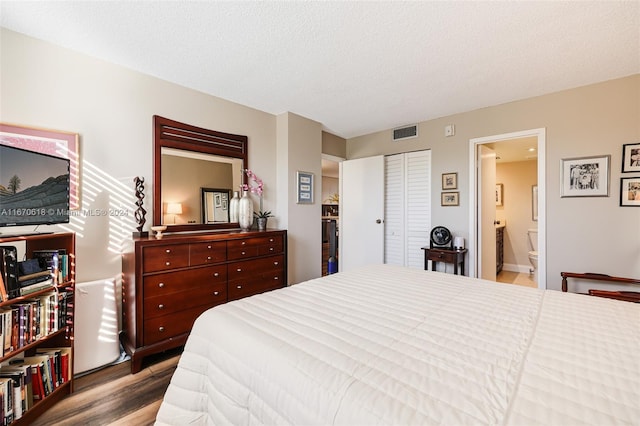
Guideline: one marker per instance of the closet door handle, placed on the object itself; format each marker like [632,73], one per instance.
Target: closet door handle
[378,221]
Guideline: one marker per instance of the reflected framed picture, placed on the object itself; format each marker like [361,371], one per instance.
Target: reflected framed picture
[52,142]
[631,157]
[450,199]
[499,190]
[585,176]
[449,181]
[304,187]
[630,192]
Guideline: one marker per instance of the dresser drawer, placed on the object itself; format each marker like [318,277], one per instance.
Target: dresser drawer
[441,256]
[162,258]
[237,289]
[271,245]
[255,267]
[165,304]
[168,326]
[183,281]
[210,252]
[257,246]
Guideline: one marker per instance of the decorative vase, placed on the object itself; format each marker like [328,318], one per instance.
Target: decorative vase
[245,211]
[233,207]
[262,223]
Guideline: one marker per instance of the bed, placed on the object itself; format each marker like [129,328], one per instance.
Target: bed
[393,345]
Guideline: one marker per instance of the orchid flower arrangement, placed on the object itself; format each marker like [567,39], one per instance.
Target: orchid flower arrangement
[258,189]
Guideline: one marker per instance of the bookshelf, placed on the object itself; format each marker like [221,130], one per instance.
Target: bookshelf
[56,333]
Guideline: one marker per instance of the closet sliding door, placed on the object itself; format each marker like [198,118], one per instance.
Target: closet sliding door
[407,215]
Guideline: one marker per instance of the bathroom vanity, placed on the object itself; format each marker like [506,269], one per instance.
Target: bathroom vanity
[499,246]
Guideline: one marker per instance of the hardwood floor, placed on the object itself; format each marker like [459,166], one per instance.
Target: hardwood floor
[114,396]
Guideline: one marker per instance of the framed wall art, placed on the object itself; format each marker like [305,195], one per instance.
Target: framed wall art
[449,181]
[630,192]
[585,176]
[305,187]
[499,191]
[52,142]
[450,199]
[631,157]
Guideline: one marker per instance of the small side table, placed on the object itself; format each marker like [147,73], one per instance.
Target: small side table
[447,256]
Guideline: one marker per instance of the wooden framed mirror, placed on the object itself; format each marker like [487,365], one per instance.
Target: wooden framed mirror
[186,159]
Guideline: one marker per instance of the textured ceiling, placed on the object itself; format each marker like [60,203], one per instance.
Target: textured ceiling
[355,67]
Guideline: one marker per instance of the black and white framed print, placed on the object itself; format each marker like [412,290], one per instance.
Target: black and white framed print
[631,157]
[449,181]
[450,199]
[305,187]
[585,176]
[630,192]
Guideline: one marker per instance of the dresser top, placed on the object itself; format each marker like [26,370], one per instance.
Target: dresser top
[188,237]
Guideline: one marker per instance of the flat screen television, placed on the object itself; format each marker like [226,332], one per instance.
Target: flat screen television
[34,188]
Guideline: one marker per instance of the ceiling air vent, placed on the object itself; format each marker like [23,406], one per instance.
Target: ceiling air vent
[407,132]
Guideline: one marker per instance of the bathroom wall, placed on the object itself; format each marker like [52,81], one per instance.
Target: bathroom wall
[329,188]
[518,179]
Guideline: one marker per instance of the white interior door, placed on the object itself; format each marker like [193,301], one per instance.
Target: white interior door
[361,212]
[487,213]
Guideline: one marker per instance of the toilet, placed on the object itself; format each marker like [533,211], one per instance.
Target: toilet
[533,253]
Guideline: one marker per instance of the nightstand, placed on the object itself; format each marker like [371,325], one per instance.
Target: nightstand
[447,256]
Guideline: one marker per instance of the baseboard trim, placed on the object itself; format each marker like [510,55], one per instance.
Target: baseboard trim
[522,269]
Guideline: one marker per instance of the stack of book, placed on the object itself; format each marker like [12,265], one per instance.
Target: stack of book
[46,269]
[25,380]
[26,322]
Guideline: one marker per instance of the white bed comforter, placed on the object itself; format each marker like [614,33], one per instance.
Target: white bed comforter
[390,345]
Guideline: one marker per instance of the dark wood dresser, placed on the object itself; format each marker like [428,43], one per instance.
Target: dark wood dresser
[168,282]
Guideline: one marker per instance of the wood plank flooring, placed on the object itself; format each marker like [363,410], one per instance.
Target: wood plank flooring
[113,396]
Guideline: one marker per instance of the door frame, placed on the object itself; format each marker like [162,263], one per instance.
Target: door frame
[540,134]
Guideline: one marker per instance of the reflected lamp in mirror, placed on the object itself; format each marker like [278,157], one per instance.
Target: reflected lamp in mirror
[174,209]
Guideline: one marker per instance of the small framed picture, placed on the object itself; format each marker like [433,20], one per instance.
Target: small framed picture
[450,181]
[450,199]
[631,157]
[630,192]
[499,190]
[585,176]
[305,187]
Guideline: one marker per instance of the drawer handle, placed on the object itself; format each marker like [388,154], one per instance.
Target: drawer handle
[168,251]
[271,248]
[161,285]
[270,240]
[276,263]
[244,242]
[216,274]
[238,286]
[167,263]
[276,278]
[208,257]
[161,329]
[215,293]
[244,252]
[238,270]
[208,247]
[161,306]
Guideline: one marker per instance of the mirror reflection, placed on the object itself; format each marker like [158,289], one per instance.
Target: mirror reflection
[215,205]
[185,175]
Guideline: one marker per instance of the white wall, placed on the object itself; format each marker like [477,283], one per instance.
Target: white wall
[583,234]
[111,108]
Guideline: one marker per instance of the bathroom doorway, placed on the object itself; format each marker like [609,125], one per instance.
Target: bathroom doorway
[487,215]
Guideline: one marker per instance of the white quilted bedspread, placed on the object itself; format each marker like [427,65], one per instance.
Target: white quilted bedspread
[396,346]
